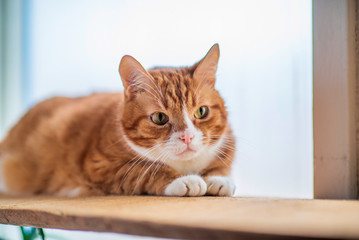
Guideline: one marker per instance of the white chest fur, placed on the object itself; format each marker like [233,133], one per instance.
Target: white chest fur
[193,166]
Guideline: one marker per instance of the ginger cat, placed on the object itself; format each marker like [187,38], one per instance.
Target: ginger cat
[167,134]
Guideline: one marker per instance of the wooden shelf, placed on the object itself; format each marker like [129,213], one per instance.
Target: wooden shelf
[191,218]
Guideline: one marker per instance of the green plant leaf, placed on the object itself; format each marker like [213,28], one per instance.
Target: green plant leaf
[31,233]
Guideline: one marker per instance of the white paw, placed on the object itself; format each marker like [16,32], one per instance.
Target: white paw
[220,186]
[191,185]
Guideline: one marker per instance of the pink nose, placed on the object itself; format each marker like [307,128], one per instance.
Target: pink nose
[186,137]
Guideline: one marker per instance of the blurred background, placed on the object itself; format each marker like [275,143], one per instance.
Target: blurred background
[73,48]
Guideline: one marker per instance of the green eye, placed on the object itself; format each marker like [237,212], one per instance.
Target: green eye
[159,118]
[201,112]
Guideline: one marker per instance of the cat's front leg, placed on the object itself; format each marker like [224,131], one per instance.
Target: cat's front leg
[159,179]
[191,185]
[144,177]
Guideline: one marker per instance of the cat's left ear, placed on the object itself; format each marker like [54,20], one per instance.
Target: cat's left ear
[206,69]
[133,76]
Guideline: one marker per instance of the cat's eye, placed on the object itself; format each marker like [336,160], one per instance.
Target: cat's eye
[159,118]
[201,112]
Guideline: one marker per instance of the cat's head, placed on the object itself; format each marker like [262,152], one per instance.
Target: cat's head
[173,113]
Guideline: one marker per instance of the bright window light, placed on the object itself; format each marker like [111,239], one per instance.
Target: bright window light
[265,69]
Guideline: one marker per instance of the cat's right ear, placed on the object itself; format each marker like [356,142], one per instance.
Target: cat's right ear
[205,70]
[132,74]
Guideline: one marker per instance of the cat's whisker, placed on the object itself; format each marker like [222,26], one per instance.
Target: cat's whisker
[143,174]
[240,139]
[130,169]
[228,146]
[220,149]
[146,153]
[220,136]
[157,168]
[140,158]
[140,174]
[215,139]
[138,161]
[223,153]
[159,165]
[163,160]
[220,158]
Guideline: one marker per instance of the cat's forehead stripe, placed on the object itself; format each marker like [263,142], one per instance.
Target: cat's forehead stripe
[175,85]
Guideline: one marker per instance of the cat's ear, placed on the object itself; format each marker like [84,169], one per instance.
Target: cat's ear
[205,70]
[133,75]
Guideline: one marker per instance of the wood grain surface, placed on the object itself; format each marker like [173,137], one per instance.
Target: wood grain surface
[188,218]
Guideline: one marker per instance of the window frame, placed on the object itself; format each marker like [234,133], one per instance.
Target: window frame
[335,134]
[335,99]
[11,63]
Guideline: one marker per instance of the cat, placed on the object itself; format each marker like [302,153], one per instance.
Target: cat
[166,134]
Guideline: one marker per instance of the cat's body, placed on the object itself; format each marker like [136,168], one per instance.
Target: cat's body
[167,134]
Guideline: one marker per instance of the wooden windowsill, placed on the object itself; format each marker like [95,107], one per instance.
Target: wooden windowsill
[188,217]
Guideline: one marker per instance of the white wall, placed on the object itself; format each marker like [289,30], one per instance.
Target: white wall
[265,70]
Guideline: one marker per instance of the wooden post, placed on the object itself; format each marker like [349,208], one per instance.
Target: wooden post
[334,99]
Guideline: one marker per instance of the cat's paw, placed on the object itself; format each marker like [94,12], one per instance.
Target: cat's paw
[191,185]
[220,186]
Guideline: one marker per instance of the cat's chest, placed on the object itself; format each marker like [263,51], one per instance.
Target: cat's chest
[193,166]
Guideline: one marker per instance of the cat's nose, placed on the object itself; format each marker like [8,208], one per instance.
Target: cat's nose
[187,137]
